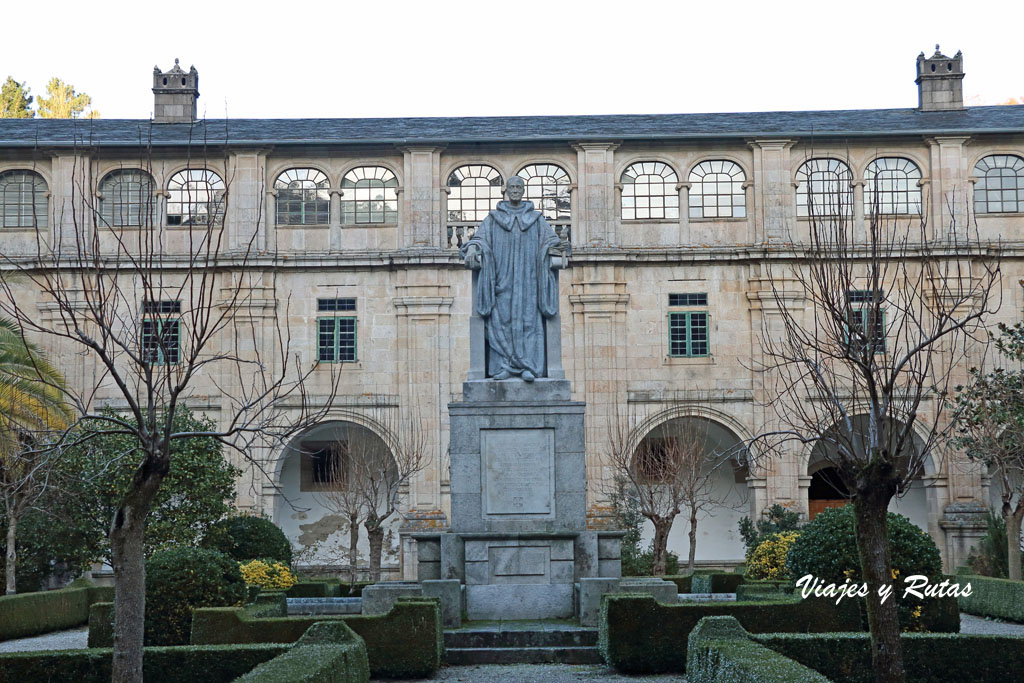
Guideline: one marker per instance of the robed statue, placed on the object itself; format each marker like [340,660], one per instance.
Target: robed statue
[516,254]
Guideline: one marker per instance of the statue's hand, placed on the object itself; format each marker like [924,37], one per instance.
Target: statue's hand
[559,249]
[473,257]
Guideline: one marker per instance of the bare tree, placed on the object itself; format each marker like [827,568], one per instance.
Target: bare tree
[990,429]
[663,473]
[865,339]
[162,314]
[344,500]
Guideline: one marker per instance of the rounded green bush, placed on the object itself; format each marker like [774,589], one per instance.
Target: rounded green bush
[180,579]
[249,538]
[827,548]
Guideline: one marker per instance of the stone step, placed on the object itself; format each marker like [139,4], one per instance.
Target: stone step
[522,655]
[520,638]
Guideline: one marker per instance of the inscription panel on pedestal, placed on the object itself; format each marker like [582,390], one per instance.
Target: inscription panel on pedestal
[518,471]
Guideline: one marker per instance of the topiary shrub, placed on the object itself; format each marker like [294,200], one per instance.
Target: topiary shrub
[248,538]
[182,578]
[768,561]
[827,549]
[267,575]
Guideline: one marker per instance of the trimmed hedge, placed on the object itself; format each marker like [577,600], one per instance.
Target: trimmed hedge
[628,642]
[720,651]
[407,642]
[927,657]
[187,664]
[101,624]
[29,614]
[329,652]
[702,582]
[990,597]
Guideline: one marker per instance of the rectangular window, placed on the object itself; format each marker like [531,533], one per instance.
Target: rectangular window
[867,320]
[688,330]
[161,332]
[336,335]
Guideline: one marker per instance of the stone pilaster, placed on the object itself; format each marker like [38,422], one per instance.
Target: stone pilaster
[70,197]
[247,205]
[421,200]
[595,218]
[949,187]
[774,206]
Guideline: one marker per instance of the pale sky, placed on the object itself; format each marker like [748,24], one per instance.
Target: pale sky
[264,59]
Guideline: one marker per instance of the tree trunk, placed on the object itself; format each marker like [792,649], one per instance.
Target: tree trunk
[353,546]
[12,554]
[1013,524]
[693,539]
[375,535]
[883,618]
[127,552]
[659,545]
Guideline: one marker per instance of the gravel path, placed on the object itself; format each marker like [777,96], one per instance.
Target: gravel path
[58,640]
[970,623]
[537,673]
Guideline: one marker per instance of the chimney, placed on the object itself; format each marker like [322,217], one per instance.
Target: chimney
[175,93]
[940,82]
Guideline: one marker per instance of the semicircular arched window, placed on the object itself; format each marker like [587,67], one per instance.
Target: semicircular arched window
[303,197]
[716,190]
[547,186]
[892,186]
[23,201]
[195,196]
[1000,184]
[649,191]
[369,195]
[824,188]
[474,190]
[126,198]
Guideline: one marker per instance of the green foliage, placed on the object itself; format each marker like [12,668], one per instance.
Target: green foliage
[328,652]
[642,563]
[15,101]
[768,561]
[827,548]
[992,558]
[714,582]
[720,651]
[62,102]
[180,579]
[775,520]
[999,598]
[247,538]
[159,665]
[70,523]
[29,614]
[407,642]
[629,642]
[927,657]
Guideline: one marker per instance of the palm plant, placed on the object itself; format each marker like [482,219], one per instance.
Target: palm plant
[31,409]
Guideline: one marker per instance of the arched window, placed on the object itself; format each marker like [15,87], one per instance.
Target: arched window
[303,197]
[369,195]
[1000,186]
[892,186]
[23,200]
[195,197]
[126,198]
[716,190]
[649,191]
[475,189]
[547,186]
[824,188]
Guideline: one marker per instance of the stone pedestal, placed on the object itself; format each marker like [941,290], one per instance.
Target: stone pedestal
[518,539]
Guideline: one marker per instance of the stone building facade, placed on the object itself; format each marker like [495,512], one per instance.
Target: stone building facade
[672,219]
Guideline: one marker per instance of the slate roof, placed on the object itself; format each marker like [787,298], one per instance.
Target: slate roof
[843,124]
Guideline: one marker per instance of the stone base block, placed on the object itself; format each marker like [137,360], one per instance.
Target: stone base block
[380,597]
[589,594]
[520,601]
[450,593]
[662,590]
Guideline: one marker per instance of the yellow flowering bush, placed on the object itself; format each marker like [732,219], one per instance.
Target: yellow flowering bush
[267,574]
[768,561]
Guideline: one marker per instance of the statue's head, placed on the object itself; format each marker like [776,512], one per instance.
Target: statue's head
[515,188]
